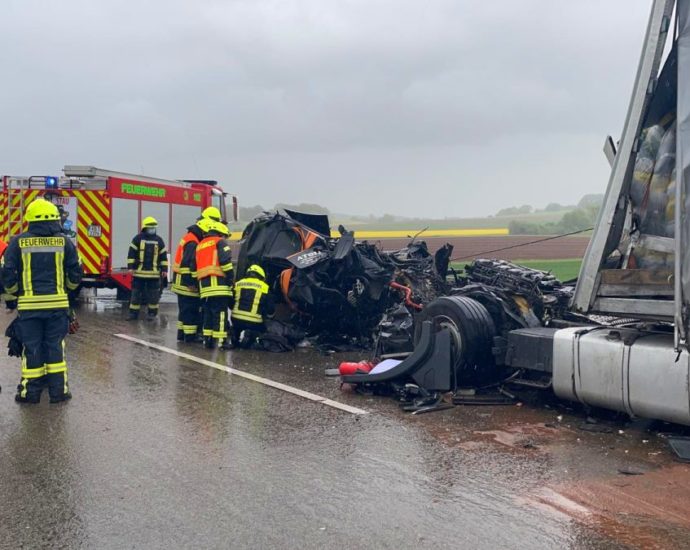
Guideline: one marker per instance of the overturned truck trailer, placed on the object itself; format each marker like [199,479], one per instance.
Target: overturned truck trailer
[638,262]
[619,338]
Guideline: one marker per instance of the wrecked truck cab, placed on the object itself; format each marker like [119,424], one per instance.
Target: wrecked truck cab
[338,288]
[270,239]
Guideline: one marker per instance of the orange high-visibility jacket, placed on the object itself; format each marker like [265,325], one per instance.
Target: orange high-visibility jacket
[183,277]
[214,268]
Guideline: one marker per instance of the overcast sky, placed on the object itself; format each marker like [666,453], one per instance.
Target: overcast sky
[432,108]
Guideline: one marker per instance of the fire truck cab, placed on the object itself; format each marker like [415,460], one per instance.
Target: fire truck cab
[102,210]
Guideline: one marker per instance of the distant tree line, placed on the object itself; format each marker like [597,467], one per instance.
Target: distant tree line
[526,209]
[577,218]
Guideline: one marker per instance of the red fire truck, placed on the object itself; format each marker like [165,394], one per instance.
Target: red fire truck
[102,210]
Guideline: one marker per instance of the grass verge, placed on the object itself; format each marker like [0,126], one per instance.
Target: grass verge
[562,269]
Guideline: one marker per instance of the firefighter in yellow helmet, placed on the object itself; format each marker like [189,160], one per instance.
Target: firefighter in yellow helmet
[185,283]
[40,267]
[252,302]
[147,261]
[214,271]
[212,213]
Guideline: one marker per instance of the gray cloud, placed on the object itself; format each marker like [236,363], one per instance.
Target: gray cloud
[435,107]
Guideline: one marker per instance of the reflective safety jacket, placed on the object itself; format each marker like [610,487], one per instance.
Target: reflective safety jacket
[252,300]
[213,267]
[147,256]
[183,276]
[40,266]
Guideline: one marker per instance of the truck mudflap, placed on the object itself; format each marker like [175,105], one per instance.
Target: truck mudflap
[624,369]
[429,365]
[123,279]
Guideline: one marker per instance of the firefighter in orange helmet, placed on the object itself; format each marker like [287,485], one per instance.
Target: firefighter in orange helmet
[213,266]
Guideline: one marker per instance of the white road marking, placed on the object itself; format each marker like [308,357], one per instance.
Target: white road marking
[552,502]
[248,376]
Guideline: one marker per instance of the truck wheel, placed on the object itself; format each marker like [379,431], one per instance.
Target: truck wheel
[472,331]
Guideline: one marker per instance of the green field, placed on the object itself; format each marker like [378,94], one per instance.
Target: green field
[562,269]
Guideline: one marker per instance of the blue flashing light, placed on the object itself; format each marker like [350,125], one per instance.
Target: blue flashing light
[51,182]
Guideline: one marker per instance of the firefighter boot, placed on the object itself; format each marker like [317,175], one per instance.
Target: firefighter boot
[58,389]
[191,338]
[180,335]
[133,315]
[28,392]
[33,399]
[30,387]
[209,342]
[60,398]
[225,344]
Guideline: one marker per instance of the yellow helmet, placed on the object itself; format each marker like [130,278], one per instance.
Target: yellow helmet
[257,269]
[204,224]
[149,221]
[211,213]
[41,210]
[220,227]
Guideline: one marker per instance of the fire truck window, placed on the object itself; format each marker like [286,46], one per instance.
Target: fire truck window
[217,201]
[231,210]
[125,223]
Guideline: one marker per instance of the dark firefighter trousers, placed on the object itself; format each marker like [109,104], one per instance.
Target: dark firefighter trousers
[251,331]
[216,321]
[189,314]
[145,292]
[42,333]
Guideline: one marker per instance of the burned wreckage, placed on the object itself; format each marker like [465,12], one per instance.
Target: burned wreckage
[341,293]
[452,330]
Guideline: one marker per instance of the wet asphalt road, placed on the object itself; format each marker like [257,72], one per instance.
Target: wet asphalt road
[155,451]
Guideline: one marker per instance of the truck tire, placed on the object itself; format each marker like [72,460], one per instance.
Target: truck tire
[472,331]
